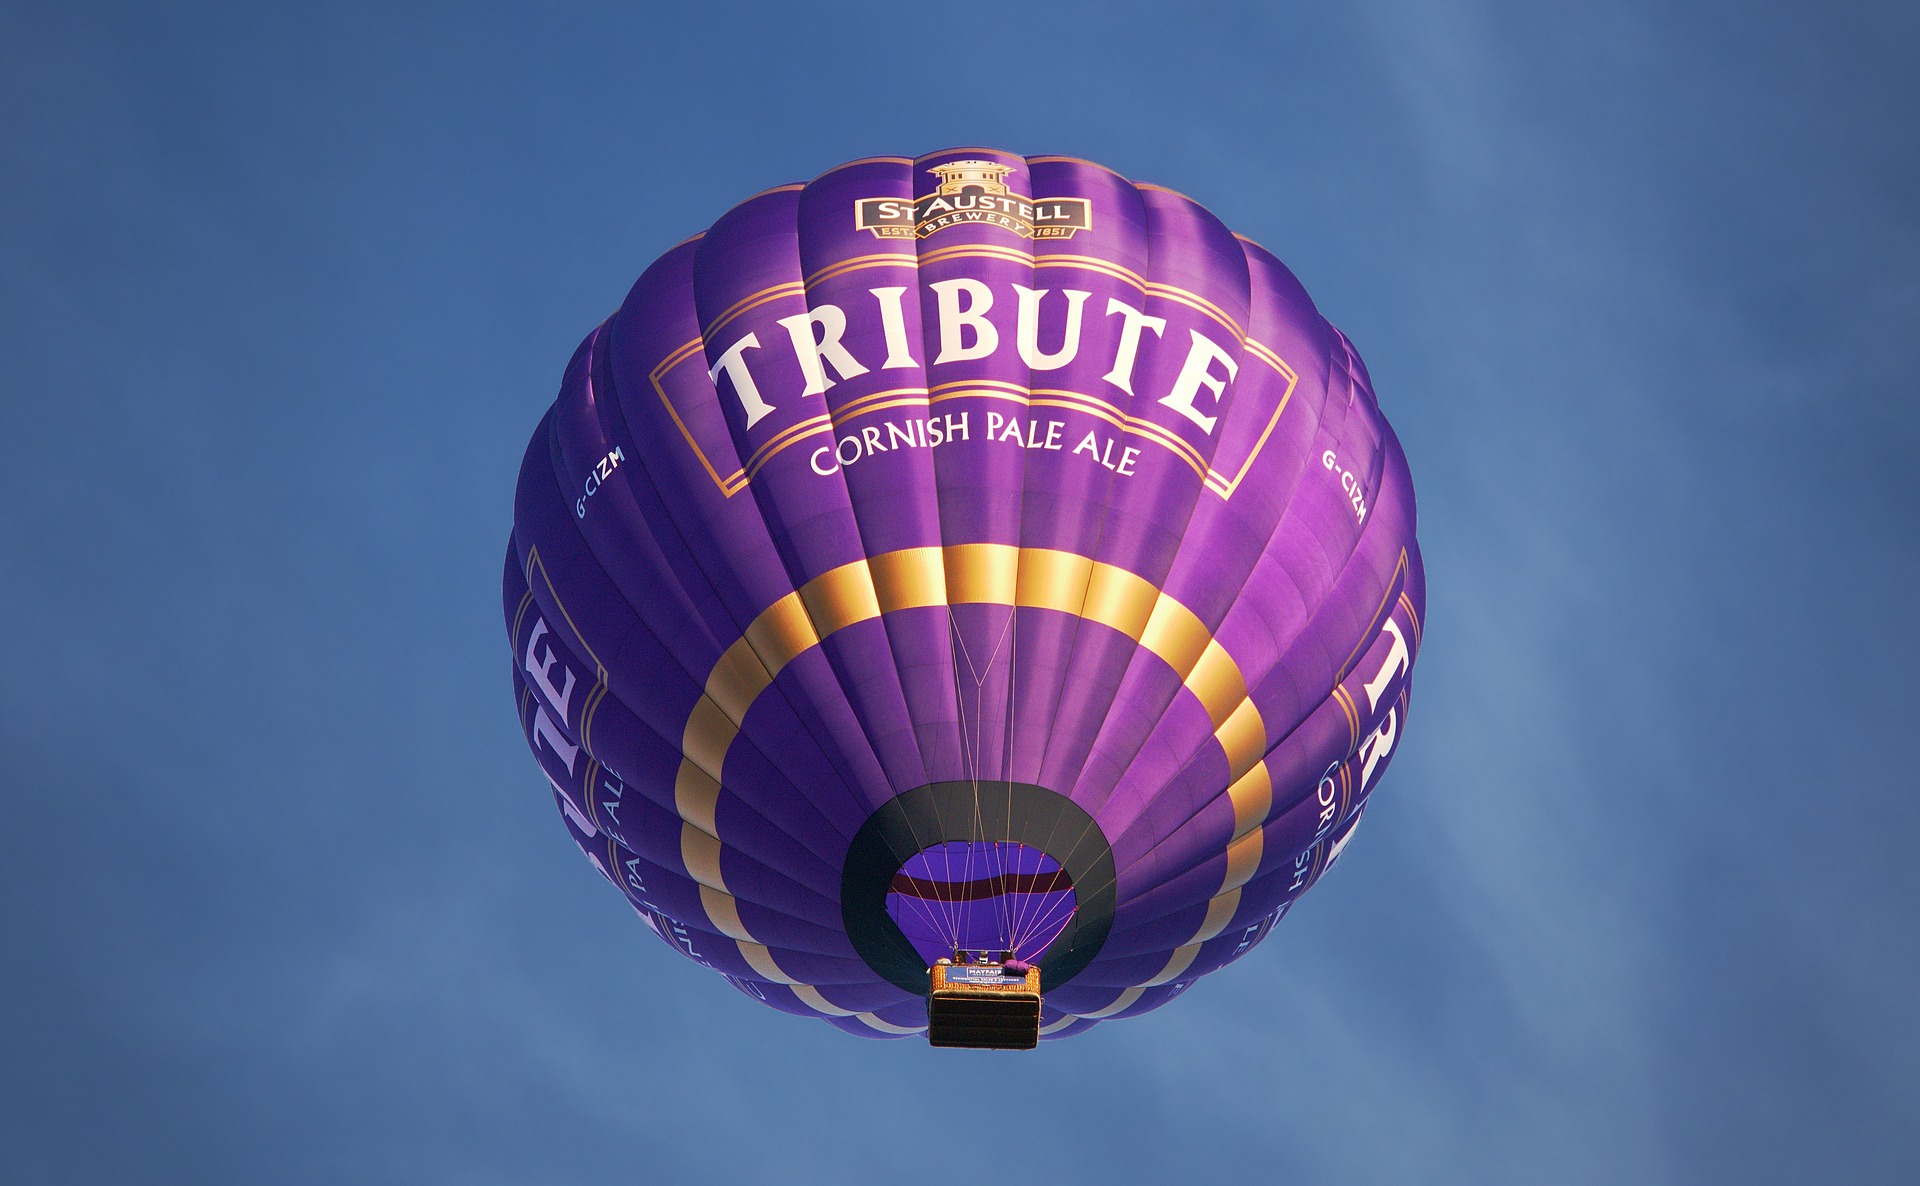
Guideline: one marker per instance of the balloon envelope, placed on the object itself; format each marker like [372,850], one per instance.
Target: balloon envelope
[973,552]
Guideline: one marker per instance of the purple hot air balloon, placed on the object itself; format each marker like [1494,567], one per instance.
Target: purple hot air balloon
[978,557]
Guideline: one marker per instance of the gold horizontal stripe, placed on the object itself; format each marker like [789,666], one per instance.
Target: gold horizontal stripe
[810,995]
[1200,304]
[982,573]
[840,597]
[910,578]
[849,409]
[1178,962]
[781,632]
[738,677]
[777,441]
[875,1021]
[1060,1023]
[1053,397]
[761,960]
[1055,580]
[1120,599]
[724,910]
[962,574]
[750,302]
[1047,259]
[1124,1001]
[1175,634]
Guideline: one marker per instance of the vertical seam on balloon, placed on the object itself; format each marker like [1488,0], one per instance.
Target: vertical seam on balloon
[1279,519]
[611,418]
[1207,307]
[1413,619]
[513,636]
[1099,538]
[1394,585]
[848,779]
[822,587]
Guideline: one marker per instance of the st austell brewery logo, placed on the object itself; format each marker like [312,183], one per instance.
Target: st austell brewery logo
[973,193]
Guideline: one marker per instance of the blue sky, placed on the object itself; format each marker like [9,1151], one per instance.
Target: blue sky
[282,294]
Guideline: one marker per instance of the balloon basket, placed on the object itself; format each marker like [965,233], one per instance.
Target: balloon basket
[983,1007]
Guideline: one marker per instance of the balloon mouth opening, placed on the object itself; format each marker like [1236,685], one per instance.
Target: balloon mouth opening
[1001,898]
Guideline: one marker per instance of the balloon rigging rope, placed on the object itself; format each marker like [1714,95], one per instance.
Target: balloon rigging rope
[972,739]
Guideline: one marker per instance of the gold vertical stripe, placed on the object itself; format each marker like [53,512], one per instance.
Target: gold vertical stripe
[696,797]
[700,853]
[1217,682]
[725,913]
[1252,797]
[710,731]
[1243,738]
[1219,914]
[1345,702]
[1379,615]
[1243,860]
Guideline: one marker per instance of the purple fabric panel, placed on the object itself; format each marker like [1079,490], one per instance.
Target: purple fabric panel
[1375,686]
[642,675]
[765,815]
[891,487]
[980,480]
[1148,511]
[652,832]
[1067,490]
[593,462]
[747,278]
[677,406]
[687,478]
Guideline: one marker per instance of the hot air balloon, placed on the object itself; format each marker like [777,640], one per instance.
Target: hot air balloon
[976,591]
